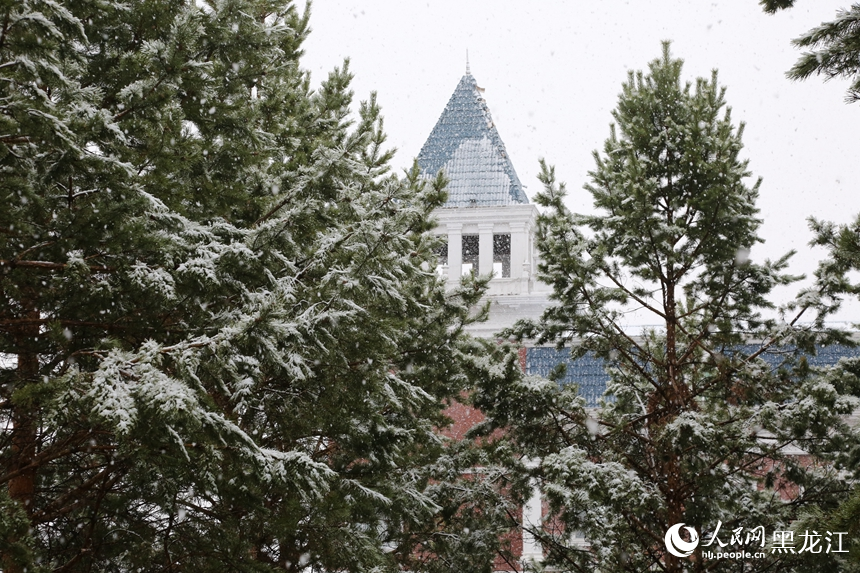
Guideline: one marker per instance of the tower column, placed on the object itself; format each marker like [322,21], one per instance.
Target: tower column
[455,252]
[519,248]
[485,248]
[532,519]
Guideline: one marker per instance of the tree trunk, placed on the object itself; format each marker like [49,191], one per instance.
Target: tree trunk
[22,487]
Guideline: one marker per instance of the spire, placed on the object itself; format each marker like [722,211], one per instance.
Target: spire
[468,73]
[466,146]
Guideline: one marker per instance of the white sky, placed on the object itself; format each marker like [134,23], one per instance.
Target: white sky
[553,70]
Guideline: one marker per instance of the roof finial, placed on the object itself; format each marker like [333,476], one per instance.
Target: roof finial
[467,63]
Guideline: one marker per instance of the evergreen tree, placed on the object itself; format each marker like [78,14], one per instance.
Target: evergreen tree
[835,47]
[696,427]
[835,53]
[834,281]
[224,345]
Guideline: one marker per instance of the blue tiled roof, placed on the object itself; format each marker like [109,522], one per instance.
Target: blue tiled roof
[466,145]
[589,372]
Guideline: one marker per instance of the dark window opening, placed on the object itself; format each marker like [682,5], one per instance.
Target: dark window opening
[441,253]
[470,254]
[502,255]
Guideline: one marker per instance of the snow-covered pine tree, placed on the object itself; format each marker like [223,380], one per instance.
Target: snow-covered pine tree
[834,51]
[834,283]
[224,345]
[696,428]
[834,47]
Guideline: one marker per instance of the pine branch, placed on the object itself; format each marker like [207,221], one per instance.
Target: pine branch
[49,265]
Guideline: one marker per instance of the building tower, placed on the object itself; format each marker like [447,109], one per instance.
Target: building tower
[488,220]
[489,224]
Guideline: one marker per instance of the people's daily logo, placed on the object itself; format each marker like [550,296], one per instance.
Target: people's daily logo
[676,545]
[751,543]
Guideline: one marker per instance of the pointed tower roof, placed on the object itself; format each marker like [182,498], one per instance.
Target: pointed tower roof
[467,146]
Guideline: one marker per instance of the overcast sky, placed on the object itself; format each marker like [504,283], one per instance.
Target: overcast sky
[553,71]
